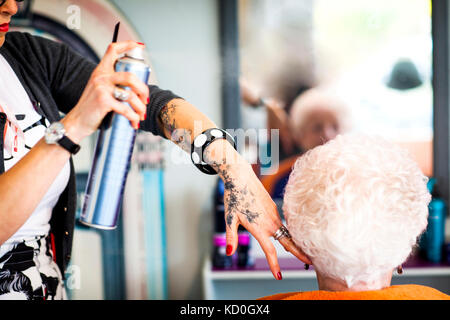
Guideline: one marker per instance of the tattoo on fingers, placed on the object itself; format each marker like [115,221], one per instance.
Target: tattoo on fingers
[229,219]
[251,215]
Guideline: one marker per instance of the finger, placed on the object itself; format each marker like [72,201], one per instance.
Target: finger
[126,111]
[136,104]
[271,256]
[231,232]
[127,79]
[114,51]
[290,246]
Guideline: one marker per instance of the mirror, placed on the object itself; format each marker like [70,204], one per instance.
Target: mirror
[374,58]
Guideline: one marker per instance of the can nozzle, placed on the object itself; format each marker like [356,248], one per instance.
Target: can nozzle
[136,53]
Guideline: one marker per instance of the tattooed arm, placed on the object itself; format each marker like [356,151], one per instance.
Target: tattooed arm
[246,201]
[182,122]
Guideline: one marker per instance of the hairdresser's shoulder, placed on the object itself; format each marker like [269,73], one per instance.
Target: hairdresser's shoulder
[39,53]
[18,36]
[26,40]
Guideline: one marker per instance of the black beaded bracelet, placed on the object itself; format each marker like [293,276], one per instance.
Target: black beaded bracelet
[202,141]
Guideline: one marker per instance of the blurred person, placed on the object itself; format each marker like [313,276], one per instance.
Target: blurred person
[277,115]
[356,206]
[316,116]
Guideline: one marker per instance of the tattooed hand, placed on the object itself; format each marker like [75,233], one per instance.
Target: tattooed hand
[247,203]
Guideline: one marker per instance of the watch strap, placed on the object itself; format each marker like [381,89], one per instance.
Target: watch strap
[69,145]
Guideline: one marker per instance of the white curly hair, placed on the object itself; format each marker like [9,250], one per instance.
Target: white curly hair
[319,98]
[356,206]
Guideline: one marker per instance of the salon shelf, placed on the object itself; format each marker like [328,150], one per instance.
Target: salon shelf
[258,281]
[260,269]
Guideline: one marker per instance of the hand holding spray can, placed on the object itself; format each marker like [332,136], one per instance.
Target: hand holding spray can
[112,156]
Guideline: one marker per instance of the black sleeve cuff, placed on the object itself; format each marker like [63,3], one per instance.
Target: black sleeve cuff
[158,100]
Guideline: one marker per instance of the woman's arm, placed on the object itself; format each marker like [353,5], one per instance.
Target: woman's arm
[277,118]
[246,201]
[181,122]
[24,185]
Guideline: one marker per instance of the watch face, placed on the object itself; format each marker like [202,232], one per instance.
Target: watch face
[54,133]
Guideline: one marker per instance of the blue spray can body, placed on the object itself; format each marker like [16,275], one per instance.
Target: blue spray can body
[112,156]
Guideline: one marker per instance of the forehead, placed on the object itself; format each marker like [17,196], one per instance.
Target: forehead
[321,115]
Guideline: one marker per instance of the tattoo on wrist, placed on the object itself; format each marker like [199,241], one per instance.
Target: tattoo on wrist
[237,199]
[220,167]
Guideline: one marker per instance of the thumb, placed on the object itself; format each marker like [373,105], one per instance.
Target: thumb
[231,233]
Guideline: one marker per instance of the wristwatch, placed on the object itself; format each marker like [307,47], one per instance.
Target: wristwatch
[55,134]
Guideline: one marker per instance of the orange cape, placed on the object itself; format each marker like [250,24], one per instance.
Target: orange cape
[398,292]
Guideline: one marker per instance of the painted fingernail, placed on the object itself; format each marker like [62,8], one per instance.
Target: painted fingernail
[279,277]
[306,266]
[148,100]
[229,249]
[143,44]
[145,116]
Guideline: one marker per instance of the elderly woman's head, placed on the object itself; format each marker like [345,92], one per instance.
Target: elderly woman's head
[316,117]
[356,207]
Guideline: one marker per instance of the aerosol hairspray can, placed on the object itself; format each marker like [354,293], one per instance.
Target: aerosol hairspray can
[112,156]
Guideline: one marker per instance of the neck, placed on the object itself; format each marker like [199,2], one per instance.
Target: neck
[2,39]
[328,284]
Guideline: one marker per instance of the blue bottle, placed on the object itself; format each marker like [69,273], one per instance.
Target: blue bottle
[435,234]
[112,156]
[432,241]
[219,256]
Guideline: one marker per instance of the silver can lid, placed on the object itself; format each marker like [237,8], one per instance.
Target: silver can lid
[136,53]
